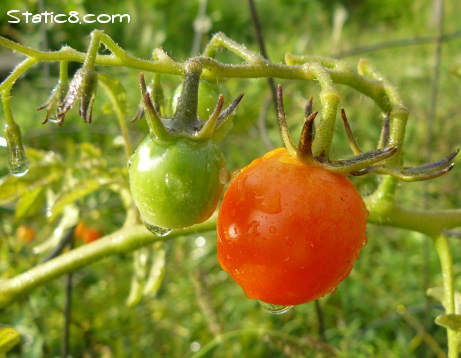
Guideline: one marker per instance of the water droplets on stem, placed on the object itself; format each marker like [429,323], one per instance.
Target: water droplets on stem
[17,161]
[274,309]
[157,230]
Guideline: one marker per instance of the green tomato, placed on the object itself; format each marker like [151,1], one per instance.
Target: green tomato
[178,182]
[208,94]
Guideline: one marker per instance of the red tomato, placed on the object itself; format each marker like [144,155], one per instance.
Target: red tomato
[87,234]
[90,235]
[289,232]
[79,229]
[25,234]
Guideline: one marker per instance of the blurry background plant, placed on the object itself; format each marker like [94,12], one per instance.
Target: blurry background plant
[380,311]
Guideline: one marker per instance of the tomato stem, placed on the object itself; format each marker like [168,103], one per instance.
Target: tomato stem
[185,116]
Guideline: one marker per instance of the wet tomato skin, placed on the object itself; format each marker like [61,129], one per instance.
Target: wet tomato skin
[288,232]
[176,183]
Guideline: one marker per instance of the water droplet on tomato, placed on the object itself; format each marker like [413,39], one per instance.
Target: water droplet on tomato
[275,309]
[272,229]
[157,230]
[233,231]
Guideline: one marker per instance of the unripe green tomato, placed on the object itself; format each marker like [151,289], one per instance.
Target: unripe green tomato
[208,94]
[178,182]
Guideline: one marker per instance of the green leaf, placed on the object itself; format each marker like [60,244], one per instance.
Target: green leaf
[115,89]
[9,337]
[88,150]
[450,321]
[456,71]
[30,203]
[81,189]
[69,218]
[11,187]
[140,259]
[437,294]
[157,271]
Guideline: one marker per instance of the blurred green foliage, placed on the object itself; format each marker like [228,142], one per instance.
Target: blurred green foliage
[361,318]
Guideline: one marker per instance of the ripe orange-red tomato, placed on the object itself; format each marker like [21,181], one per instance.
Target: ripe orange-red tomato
[87,234]
[25,234]
[91,235]
[79,229]
[289,232]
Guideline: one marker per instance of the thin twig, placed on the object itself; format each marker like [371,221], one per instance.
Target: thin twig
[262,128]
[399,43]
[270,80]
[198,30]
[67,308]
[320,320]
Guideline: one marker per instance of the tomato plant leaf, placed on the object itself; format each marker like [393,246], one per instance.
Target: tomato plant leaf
[9,337]
[30,203]
[157,271]
[88,150]
[450,321]
[115,89]
[69,218]
[140,259]
[437,294]
[78,191]
[11,187]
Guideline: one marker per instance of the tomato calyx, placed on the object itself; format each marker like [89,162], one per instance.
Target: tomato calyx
[363,162]
[185,121]
[357,165]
